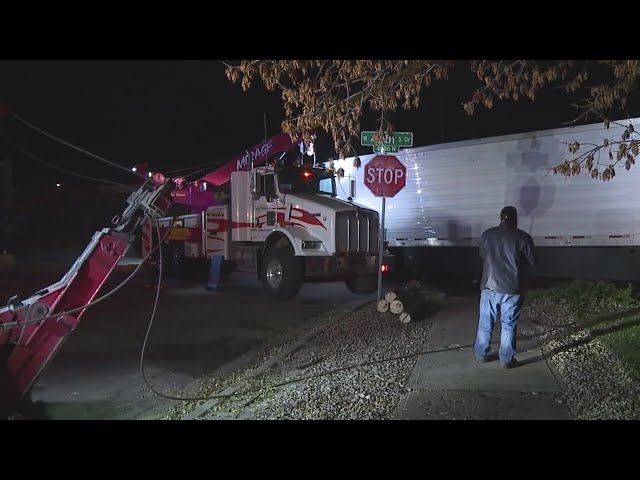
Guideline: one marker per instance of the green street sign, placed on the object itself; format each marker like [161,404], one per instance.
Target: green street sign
[399,139]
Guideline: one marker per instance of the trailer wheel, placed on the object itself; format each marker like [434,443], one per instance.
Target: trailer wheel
[362,285]
[282,273]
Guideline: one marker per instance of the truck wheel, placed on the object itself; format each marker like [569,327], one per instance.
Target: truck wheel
[362,285]
[282,274]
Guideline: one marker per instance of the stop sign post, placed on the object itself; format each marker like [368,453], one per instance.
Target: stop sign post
[385,176]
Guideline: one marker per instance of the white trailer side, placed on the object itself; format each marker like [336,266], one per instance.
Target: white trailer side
[455,191]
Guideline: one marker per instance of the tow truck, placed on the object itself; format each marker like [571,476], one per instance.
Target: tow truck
[283,222]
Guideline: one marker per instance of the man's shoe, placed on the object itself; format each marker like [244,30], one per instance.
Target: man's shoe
[510,364]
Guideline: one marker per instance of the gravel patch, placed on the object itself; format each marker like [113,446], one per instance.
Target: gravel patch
[354,369]
[357,366]
[599,385]
[210,386]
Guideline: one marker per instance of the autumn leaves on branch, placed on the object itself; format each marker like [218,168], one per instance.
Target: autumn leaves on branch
[333,95]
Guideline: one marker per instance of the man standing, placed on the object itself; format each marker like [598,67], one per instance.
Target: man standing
[504,251]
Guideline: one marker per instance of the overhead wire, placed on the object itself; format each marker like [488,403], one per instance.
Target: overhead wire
[28,154]
[192,174]
[193,167]
[75,147]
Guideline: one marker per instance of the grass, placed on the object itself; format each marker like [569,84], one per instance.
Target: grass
[610,312]
[626,344]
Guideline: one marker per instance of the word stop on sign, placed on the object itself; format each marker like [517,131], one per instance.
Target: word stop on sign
[384,175]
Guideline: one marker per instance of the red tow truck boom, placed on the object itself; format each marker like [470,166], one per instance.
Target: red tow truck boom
[33,329]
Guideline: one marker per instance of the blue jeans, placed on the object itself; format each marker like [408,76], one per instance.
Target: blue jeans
[509,307]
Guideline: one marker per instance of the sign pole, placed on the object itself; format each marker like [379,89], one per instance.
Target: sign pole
[380,249]
[385,176]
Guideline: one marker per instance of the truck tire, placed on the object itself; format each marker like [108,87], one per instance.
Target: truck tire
[282,274]
[362,285]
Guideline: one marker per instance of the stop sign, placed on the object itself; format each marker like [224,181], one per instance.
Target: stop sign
[385,176]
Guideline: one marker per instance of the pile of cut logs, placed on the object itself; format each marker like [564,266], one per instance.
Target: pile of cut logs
[411,303]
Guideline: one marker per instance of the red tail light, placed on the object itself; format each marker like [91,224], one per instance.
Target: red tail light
[384,268]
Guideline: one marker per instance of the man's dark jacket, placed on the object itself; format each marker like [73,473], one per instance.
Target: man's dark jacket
[504,251]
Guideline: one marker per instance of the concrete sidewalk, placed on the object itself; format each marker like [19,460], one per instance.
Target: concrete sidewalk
[449,384]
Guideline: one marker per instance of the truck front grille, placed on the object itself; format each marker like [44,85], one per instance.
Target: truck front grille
[357,232]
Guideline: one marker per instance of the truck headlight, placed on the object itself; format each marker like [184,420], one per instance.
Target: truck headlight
[314,245]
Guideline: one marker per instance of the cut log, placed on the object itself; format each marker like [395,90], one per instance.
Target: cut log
[383,306]
[390,296]
[396,307]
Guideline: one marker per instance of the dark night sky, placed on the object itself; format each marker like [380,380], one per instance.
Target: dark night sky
[165,113]
[172,114]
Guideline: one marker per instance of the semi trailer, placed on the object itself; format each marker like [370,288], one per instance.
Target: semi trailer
[582,228]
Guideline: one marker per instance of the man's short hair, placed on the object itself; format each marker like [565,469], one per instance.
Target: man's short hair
[509,213]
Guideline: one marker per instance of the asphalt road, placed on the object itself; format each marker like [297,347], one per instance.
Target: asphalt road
[96,373]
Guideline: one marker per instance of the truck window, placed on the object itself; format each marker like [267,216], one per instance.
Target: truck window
[306,181]
[326,186]
[266,185]
[269,186]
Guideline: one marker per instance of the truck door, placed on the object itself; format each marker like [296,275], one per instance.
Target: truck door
[266,203]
